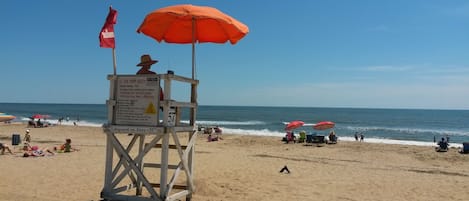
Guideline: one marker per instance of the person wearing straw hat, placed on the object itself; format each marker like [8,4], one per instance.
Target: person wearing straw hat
[145,64]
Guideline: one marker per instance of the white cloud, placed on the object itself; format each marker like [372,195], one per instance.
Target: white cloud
[387,68]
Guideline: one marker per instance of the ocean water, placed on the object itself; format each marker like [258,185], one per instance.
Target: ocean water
[393,126]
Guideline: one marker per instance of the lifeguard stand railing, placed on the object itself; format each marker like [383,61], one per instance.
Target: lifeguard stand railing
[152,130]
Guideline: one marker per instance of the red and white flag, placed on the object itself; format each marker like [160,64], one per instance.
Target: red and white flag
[106,36]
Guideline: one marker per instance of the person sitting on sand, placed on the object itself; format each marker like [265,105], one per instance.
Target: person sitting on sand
[218,130]
[39,123]
[442,145]
[31,122]
[66,147]
[290,137]
[4,147]
[210,138]
[332,137]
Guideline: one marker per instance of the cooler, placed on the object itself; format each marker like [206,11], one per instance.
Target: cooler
[15,139]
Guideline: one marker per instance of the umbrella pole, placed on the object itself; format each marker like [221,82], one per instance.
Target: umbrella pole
[193,47]
[193,60]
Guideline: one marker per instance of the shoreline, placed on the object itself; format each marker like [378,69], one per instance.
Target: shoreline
[341,138]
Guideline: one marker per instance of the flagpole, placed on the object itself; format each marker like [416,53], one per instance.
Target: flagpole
[114,59]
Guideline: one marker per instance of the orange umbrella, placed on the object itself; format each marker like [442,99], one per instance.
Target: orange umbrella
[6,117]
[184,24]
[323,125]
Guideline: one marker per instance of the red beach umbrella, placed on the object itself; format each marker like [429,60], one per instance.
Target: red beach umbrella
[40,116]
[294,124]
[323,125]
[188,24]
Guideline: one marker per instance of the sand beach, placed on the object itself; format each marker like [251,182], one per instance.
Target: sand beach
[242,167]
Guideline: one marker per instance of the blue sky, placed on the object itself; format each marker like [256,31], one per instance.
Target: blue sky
[337,53]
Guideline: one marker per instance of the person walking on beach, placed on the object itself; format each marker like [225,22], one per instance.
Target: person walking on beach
[27,136]
[362,137]
[356,136]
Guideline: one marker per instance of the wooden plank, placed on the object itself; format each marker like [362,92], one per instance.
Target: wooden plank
[164,165]
[124,188]
[179,78]
[177,195]
[190,159]
[156,130]
[135,129]
[184,128]
[171,146]
[108,167]
[193,100]
[156,165]
[183,156]
[141,146]
[131,197]
[176,186]
[174,177]
[181,104]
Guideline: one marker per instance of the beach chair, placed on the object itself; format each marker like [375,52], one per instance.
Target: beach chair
[32,123]
[442,146]
[302,137]
[332,139]
[319,139]
[464,148]
[309,138]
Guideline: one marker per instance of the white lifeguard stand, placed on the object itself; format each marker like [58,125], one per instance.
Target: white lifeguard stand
[135,108]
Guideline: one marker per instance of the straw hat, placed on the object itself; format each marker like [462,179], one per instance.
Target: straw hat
[146,60]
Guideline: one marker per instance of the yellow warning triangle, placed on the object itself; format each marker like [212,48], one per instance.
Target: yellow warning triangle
[150,109]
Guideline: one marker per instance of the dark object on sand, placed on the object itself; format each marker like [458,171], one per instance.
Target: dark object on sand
[285,168]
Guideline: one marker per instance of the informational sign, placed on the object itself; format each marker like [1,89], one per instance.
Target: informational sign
[171,117]
[137,100]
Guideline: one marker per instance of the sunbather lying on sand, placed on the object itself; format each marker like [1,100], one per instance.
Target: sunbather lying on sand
[35,151]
